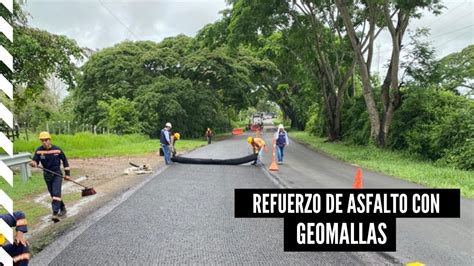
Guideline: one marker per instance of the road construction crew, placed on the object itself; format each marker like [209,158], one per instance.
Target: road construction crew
[174,138]
[50,157]
[18,250]
[258,145]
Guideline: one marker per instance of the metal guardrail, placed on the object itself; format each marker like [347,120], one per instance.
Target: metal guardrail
[21,159]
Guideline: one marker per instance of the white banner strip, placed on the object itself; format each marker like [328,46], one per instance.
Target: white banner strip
[6,58]
[6,202]
[6,29]
[6,115]
[6,144]
[6,173]
[6,231]
[6,87]
[8,4]
[5,258]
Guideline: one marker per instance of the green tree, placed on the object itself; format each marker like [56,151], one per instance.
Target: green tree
[122,116]
[37,55]
[325,55]
[457,71]
[393,15]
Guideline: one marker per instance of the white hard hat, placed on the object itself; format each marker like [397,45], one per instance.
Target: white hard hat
[168,124]
[280,126]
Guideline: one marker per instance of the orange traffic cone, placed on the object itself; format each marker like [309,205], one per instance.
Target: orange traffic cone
[358,179]
[273,165]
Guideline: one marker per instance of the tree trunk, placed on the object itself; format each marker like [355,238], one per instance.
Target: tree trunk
[379,124]
[332,125]
[366,85]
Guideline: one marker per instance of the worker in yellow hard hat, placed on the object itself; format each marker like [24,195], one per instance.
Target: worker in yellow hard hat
[50,157]
[258,145]
[174,138]
[18,250]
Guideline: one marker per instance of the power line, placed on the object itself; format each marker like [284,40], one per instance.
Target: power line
[452,31]
[437,35]
[449,11]
[441,45]
[120,21]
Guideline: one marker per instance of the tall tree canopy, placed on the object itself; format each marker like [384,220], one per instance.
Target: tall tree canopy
[177,80]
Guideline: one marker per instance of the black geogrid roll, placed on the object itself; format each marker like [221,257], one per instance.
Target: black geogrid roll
[235,161]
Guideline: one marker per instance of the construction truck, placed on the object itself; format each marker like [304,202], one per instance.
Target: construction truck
[257,122]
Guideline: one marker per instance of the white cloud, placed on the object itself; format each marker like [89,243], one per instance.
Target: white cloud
[98,24]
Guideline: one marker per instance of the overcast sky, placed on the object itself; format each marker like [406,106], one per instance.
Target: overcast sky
[103,23]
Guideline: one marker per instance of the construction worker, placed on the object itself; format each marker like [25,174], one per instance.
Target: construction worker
[165,142]
[258,145]
[281,140]
[18,250]
[209,135]
[50,157]
[174,138]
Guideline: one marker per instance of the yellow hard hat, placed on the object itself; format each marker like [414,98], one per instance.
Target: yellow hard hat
[44,135]
[177,136]
[249,140]
[2,240]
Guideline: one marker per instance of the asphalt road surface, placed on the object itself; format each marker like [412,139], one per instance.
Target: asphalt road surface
[185,215]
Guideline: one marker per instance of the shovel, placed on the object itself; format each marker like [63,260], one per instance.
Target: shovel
[87,191]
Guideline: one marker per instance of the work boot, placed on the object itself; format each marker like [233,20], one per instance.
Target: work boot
[62,212]
[55,218]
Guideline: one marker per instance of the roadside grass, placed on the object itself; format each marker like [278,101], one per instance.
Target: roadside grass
[393,163]
[71,197]
[33,211]
[221,136]
[22,193]
[24,189]
[88,145]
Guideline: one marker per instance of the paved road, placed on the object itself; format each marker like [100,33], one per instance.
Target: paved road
[185,215]
[434,241]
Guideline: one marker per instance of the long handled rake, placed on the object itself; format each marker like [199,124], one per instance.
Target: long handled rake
[87,191]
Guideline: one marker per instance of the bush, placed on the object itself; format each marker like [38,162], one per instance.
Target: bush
[437,125]
[355,123]
[316,121]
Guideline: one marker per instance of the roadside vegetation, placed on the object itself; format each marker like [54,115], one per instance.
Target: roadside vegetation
[22,194]
[394,163]
[88,145]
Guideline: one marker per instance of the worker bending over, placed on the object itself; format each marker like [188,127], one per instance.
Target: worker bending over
[174,138]
[258,145]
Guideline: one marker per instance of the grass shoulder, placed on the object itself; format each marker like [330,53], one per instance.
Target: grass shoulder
[393,163]
[87,145]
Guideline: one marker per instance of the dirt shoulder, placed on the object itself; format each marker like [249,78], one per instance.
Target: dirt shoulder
[106,176]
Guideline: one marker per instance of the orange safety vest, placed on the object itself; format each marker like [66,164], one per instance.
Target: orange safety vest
[259,144]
